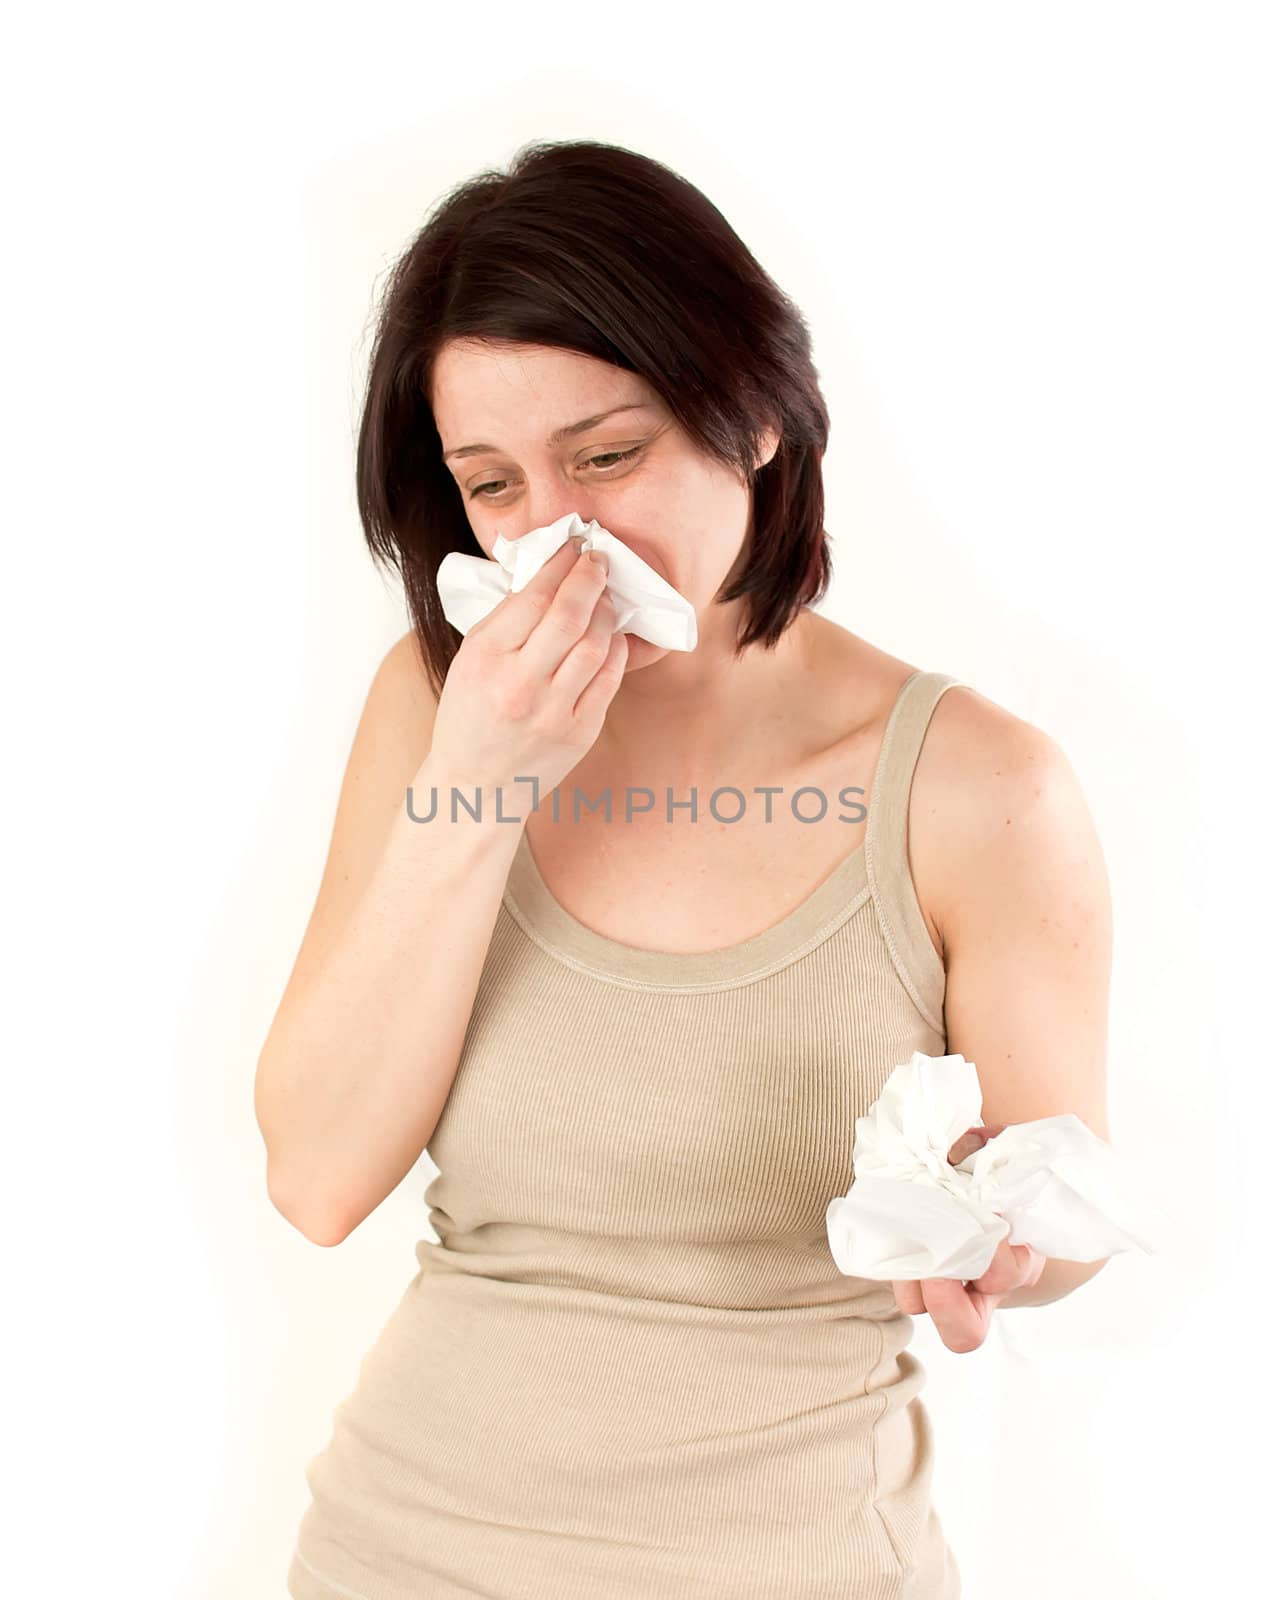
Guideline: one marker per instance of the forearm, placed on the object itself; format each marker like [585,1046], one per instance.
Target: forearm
[361,1057]
[1058,1278]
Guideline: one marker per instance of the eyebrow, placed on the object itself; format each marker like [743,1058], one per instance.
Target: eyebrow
[567,432]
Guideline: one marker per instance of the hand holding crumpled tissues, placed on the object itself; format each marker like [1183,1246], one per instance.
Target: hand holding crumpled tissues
[645,603]
[909,1214]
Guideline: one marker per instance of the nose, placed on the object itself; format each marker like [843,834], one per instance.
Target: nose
[551,514]
[547,500]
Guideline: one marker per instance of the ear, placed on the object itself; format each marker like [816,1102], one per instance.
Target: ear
[770,439]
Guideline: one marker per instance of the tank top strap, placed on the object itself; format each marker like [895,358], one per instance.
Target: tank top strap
[887,844]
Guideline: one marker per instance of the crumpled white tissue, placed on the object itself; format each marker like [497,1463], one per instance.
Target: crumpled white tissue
[1051,1183]
[645,603]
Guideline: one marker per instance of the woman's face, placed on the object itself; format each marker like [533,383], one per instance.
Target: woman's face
[635,472]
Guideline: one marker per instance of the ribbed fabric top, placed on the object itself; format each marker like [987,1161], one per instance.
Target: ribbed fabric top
[628,1365]
[876,866]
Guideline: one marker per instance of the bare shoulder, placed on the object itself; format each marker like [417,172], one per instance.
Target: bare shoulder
[399,712]
[403,674]
[392,740]
[968,732]
[993,797]
[979,762]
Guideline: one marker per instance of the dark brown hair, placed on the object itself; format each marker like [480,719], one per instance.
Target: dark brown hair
[594,248]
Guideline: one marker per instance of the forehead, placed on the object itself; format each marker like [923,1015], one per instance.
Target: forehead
[477,385]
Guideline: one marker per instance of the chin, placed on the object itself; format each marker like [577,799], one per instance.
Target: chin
[641,653]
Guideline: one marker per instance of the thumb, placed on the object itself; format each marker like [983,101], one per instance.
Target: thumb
[971,1141]
[974,1139]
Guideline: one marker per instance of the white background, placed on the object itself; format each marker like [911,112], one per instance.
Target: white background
[1026,240]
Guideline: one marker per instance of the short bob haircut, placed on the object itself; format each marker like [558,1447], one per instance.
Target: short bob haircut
[594,248]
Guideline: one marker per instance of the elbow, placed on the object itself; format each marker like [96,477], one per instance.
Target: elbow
[317,1224]
[290,1198]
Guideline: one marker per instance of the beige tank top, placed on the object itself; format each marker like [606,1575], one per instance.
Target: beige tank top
[628,1365]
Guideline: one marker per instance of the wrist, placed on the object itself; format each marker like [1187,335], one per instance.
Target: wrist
[446,792]
[1056,1280]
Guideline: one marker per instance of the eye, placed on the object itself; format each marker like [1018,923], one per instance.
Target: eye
[615,456]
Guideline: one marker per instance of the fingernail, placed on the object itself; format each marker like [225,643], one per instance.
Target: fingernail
[600,559]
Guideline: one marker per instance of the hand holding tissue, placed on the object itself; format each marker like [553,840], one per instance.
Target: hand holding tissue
[645,603]
[909,1214]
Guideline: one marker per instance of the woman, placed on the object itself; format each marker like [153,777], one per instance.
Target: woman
[636,1049]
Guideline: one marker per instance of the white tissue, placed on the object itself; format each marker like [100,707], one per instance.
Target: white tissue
[1052,1184]
[645,603]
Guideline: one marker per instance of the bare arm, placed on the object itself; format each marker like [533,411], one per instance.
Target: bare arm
[360,1058]
[1025,913]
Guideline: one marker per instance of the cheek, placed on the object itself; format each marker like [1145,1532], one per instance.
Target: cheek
[638,498]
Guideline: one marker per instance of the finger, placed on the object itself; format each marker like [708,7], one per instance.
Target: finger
[601,690]
[587,655]
[967,1145]
[512,620]
[1012,1266]
[974,1139]
[961,1315]
[571,615]
[983,1306]
[908,1293]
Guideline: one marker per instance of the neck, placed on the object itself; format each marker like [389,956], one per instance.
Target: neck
[704,712]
